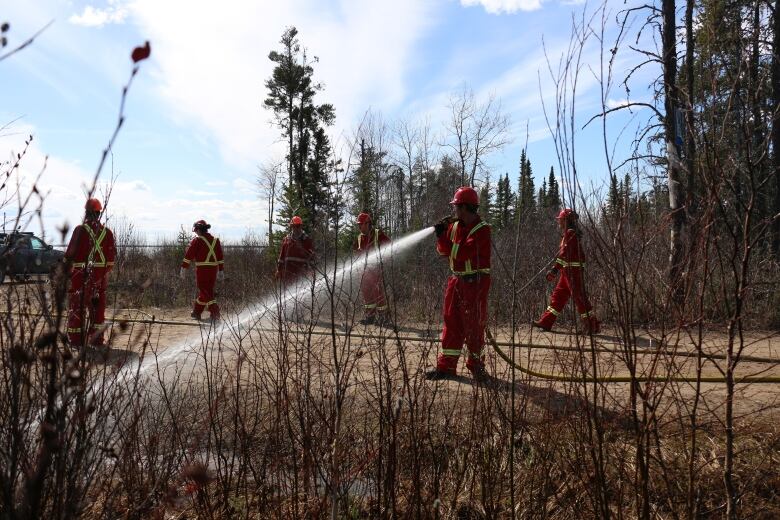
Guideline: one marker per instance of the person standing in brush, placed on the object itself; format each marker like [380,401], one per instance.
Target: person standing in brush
[296,254]
[372,286]
[570,262]
[465,241]
[205,251]
[91,253]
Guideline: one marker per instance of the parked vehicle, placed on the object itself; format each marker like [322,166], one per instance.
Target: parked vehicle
[22,254]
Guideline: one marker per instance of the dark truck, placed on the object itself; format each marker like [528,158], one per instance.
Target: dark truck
[22,255]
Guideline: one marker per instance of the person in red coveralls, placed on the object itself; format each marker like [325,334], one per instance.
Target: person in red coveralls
[91,253]
[371,283]
[296,254]
[571,263]
[465,240]
[205,251]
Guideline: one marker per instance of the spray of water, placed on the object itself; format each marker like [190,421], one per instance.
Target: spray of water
[340,280]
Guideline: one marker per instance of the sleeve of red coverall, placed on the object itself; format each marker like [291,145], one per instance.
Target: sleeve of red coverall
[73,245]
[475,246]
[383,239]
[189,255]
[443,243]
[220,256]
[109,249]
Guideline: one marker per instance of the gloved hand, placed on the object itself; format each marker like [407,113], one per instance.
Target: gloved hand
[182,273]
[551,274]
[441,226]
[221,276]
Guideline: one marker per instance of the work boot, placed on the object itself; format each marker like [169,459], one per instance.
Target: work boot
[435,374]
[368,320]
[480,375]
[383,320]
[592,325]
[539,325]
[195,316]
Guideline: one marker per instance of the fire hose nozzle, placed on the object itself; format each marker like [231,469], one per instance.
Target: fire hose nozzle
[441,226]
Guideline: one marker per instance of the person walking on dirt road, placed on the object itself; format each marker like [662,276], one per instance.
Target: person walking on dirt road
[205,251]
[570,262]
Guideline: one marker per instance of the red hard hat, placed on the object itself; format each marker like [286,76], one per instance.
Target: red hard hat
[567,213]
[93,205]
[363,218]
[200,224]
[465,195]
[296,221]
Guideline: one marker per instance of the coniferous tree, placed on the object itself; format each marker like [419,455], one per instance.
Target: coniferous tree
[505,202]
[526,202]
[553,198]
[614,199]
[290,96]
[542,197]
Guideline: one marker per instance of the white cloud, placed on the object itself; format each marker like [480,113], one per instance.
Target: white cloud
[244,185]
[212,62]
[64,185]
[91,16]
[504,6]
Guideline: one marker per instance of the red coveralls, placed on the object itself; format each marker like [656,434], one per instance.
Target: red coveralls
[571,261]
[93,253]
[465,300]
[295,257]
[372,284]
[206,252]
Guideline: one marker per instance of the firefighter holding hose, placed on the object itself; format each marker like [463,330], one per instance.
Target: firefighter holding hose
[465,241]
[296,254]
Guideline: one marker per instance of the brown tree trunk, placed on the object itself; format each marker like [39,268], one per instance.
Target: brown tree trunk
[776,129]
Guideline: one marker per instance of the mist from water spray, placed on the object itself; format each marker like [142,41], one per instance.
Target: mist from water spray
[340,281]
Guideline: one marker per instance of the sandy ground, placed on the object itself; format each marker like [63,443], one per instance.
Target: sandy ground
[166,337]
[415,347]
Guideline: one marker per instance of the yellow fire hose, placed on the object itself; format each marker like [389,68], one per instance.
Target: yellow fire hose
[625,379]
[497,347]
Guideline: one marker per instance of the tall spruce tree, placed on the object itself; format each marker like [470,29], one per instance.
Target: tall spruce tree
[504,204]
[553,198]
[526,202]
[290,96]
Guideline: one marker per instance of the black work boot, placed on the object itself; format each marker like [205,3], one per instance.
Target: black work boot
[480,375]
[435,374]
[368,320]
[195,316]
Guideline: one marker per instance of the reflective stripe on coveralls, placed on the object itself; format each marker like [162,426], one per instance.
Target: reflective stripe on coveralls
[564,263]
[456,246]
[211,254]
[96,243]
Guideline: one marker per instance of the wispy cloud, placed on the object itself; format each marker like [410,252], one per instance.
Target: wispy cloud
[64,185]
[213,62]
[114,13]
[504,6]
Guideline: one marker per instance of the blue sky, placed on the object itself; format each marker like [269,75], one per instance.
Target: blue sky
[195,130]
